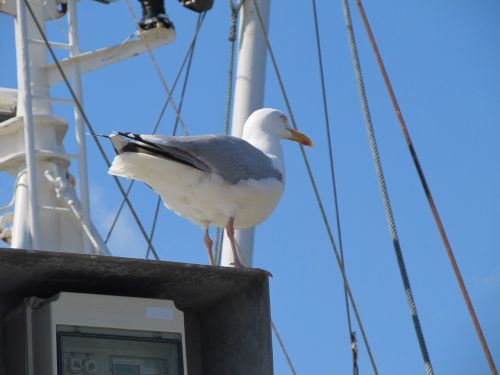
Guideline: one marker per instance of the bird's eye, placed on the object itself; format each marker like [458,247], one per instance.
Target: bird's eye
[283,117]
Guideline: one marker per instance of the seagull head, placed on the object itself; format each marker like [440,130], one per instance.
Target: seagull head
[275,123]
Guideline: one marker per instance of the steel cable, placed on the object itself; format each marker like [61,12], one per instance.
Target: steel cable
[153,226]
[283,348]
[174,131]
[162,112]
[316,191]
[235,9]
[383,189]
[220,232]
[427,191]
[169,99]
[156,66]
[333,179]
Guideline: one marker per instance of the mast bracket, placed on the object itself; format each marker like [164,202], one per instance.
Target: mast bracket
[88,61]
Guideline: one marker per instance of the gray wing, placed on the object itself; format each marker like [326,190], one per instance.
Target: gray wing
[232,158]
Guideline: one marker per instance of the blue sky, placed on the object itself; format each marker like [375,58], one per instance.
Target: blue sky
[444,62]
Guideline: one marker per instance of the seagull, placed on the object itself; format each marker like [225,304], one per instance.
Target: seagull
[218,180]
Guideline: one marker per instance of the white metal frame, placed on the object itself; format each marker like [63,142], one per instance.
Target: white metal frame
[41,134]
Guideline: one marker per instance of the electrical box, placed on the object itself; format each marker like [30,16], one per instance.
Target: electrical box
[89,334]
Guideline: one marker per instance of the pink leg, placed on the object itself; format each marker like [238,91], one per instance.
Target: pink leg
[230,234]
[208,245]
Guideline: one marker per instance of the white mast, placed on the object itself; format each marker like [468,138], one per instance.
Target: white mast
[248,97]
[41,131]
[24,237]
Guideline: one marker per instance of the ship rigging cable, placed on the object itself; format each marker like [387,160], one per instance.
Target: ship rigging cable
[176,124]
[156,66]
[334,183]
[235,10]
[219,234]
[383,189]
[426,188]
[316,190]
[90,127]
[283,348]
[162,112]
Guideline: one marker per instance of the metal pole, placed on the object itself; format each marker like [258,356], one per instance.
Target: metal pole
[79,124]
[25,106]
[248,97]
[21,238]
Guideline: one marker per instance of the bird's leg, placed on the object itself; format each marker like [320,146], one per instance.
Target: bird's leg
[230,234]
[208,245]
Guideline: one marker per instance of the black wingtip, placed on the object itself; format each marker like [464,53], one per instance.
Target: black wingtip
[98,135]
[130,135]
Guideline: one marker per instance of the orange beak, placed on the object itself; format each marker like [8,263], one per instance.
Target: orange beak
[299,137]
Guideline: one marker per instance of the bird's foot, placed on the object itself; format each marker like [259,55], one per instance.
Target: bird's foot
[238,264]
[208,245]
